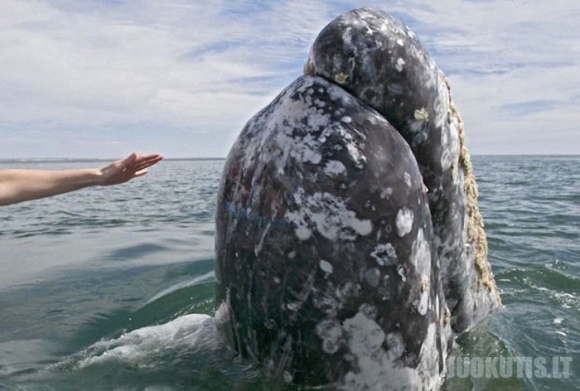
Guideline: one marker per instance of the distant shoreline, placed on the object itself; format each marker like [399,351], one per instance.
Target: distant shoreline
[91,160]
[97,160]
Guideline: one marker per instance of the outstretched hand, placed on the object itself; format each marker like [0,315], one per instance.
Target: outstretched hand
[126,169]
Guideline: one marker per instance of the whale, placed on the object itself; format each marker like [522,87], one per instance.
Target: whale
[350,251]
[381,61]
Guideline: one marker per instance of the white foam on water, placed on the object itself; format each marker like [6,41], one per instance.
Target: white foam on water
[189,333]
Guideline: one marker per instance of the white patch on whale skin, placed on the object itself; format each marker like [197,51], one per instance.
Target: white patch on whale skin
[365,336]
[317,120]
[377,369]
[423,303]
[305,150]
[450,154]
[355,153]
[400,64]
[334,168]
[407,177]
[311,156]
[385,254]
[332,335]
[329,215]
[446,156]
[387,193]
[401,272]
[325,266]
[302,231]
[421,254]
[441,105]
[454,174]
[275,131]
[404,221]
[429,358]
[290,112]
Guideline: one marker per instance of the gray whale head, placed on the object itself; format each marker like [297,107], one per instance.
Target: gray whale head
[343,242]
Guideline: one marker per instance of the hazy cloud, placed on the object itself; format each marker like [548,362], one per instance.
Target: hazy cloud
[102,78]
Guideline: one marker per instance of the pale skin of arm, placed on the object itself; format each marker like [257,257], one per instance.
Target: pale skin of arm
[25,185]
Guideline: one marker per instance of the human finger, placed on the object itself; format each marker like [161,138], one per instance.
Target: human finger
[128,161]
[143,163]
[140,173]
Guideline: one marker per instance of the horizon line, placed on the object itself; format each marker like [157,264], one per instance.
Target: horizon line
[101,159]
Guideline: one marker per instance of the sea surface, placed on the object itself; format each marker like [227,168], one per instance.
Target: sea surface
[113,288]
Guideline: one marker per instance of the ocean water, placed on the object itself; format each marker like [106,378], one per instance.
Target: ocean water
[112,288]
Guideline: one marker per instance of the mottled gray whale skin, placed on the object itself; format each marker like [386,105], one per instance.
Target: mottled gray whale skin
[380,60]
[326,261]
[347,222]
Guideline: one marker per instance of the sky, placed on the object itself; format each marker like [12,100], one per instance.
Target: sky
[103,78]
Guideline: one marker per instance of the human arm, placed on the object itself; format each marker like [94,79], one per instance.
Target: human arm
[24,185]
